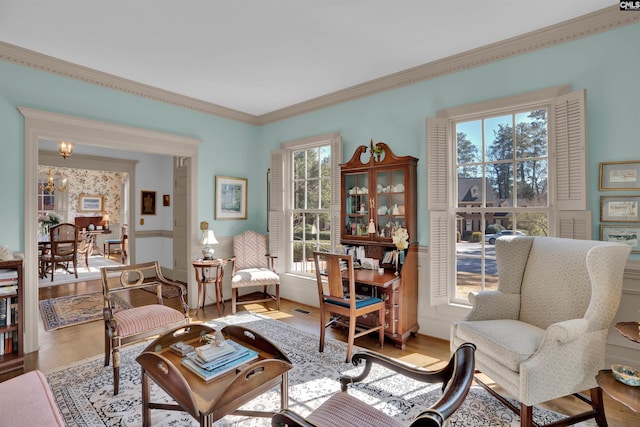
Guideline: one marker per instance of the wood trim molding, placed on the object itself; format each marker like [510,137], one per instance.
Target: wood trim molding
[587,25]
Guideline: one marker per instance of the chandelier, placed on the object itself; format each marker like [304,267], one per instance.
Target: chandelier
[50,187]
[65,148]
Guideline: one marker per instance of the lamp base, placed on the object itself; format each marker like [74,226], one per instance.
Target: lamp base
[207,252]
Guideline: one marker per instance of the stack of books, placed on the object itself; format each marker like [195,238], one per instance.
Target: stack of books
[212,360]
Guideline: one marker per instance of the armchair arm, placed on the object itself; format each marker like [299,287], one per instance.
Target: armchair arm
[567,331]
[271,260]
[488,305]
[461,364]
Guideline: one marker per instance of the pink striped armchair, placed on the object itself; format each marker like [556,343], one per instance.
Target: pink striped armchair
[140,322]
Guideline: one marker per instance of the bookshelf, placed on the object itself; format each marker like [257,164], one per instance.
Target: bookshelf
[11,326]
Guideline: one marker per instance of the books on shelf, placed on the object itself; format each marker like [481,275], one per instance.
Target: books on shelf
[208,370]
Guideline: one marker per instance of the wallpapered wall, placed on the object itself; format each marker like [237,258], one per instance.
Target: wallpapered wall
[92,182]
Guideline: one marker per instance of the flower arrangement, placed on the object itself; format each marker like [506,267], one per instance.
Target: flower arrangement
[49,219]
[401,238]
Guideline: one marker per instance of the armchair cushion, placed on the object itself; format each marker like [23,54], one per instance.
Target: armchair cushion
[332,414]
[254,277]
[147,317]
[510,341]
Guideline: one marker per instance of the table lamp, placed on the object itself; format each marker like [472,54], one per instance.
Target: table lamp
[208,239]
[105,221]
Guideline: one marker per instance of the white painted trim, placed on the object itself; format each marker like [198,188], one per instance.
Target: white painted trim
[587,25]
[39,125]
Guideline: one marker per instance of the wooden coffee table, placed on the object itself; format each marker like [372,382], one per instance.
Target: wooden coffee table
[210,401]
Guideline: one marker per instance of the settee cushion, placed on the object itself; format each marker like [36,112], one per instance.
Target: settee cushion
[27,400]
[509,341]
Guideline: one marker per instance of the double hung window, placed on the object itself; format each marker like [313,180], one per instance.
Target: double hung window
[511,166]
[304,201]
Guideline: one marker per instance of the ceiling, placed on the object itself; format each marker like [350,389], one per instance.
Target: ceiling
[259,56]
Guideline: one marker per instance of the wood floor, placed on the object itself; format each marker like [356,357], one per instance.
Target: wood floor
[71,344]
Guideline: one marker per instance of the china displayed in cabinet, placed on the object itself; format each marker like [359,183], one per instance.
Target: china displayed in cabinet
[378,191]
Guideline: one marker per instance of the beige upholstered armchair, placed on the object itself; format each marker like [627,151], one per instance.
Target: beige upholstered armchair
[542,334]
[253,266]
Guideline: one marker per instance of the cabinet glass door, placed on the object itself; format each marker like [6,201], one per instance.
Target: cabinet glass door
[356,204]
[390,202]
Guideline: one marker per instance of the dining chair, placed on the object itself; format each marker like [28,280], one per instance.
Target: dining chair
[85,248]
[345,410]
[341,304]
[120,243]
[63,247]
[252,266]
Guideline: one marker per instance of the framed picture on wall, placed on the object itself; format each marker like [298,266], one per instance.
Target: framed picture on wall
[147,202]
[231,198]
[90,203]
[621,233]
[619,208]
[620,176]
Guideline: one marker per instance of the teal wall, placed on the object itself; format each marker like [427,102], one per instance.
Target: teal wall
[607,65]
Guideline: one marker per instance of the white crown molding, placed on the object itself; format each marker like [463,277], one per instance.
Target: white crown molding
[587,25]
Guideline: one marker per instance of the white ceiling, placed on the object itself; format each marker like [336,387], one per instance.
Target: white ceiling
[258,56]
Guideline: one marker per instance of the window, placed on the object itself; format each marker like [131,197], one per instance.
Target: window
[304,201]
[511,166]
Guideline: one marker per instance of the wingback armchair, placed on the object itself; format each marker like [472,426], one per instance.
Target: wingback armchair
[542,334]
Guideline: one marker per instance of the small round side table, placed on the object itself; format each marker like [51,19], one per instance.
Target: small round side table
[210,271]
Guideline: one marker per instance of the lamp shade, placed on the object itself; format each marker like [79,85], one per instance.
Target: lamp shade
[208,238]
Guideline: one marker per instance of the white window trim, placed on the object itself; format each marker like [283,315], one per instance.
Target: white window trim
[569,216]
[280,214]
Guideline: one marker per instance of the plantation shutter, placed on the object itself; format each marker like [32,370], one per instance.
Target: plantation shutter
[574,225]
[570,130]
[276,210]
[440,227]
[336,159]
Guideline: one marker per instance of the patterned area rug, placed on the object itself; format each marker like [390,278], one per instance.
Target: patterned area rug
[73,310]
[84,391]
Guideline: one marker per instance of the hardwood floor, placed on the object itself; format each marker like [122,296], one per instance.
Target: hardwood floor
[71,344]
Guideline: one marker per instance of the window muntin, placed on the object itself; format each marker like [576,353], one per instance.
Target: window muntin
[310,205]
[502,171]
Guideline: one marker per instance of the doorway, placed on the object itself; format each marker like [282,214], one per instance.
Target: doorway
[41,125]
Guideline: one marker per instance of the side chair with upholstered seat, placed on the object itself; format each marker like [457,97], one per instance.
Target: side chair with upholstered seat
[139,322]
[339,304]
[119,243]
[345,410]
[252,266]
[542,334]
[62,249]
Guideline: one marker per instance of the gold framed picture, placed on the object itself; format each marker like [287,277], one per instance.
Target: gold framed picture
[231,198]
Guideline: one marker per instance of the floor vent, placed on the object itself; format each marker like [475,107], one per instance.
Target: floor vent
[299,310]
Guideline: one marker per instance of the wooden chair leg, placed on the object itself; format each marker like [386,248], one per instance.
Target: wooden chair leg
[352,333]
[323,326]
[116,371]
[277,296]
[381,331]
[107,349]
[526,415]
[234,298]
[597,403]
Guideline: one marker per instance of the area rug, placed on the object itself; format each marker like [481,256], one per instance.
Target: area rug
[84,390]
[85,273]
[75,309]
